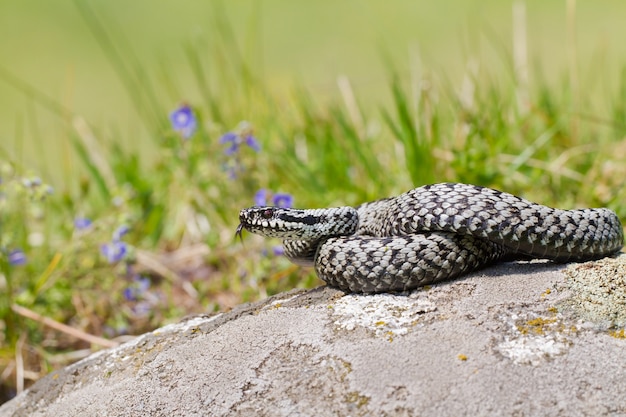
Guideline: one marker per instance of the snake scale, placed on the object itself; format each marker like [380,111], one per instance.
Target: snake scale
[430,234]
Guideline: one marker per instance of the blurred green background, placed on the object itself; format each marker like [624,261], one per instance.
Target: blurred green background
[49,45]
[349,101]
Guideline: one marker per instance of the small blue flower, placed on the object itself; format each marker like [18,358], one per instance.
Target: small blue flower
[143,284]
[184,121]
[17,257]
[260,197]
[82,223]
[236,140]
[114,251]
[119,232]
[232,139]
[252,143]
[278,250]
[130,294]
[137,289]
[263,198]
[283,200]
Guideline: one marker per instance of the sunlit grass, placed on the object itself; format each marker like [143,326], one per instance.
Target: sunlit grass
[146,236]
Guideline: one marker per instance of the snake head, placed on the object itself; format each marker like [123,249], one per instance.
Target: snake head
[298,224]
[250,219]
[271,221]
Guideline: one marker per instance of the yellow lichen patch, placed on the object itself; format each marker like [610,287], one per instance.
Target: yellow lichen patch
[618,334]
[357,399]
[390,336]
[553,310]
[347,365]
[535,326]
[546,292]
[347,369]
[462,357]
[380,323]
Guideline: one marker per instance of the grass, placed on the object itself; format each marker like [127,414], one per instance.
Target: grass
[169,213]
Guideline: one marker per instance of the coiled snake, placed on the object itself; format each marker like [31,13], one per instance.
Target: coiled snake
[432,233]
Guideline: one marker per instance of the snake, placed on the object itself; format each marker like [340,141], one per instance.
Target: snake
[432,233]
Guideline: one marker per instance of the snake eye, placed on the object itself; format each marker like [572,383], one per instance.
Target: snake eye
[267,214]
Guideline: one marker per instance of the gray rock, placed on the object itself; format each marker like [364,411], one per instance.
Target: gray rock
[514,339]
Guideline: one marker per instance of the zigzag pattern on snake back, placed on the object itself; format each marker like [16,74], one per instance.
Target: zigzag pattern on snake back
[430,234]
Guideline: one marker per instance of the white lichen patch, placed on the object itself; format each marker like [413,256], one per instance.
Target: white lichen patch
[532,339]
[532,350]
[383,314]
[189,324]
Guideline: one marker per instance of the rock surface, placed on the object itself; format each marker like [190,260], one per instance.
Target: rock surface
[514,339]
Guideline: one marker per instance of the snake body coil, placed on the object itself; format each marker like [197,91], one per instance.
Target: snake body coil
[432,233]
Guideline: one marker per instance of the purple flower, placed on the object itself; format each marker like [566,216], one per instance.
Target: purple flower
[17,257]
[119,232]
[184,121]
[276,250]
[265,197]
[129,294]
[82,223]
[232,139]
[252,143]
[114,251]
[137,289]
[235,140]
[283,200]
[143,284]
[260,197]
